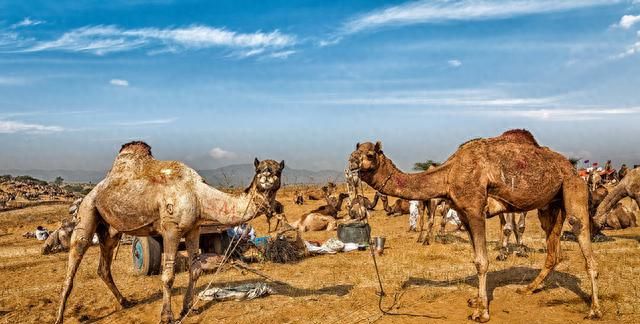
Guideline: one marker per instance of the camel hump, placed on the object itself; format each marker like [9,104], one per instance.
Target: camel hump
[519,136]
[136,147]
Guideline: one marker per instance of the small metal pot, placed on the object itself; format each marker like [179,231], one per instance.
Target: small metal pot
[378,242]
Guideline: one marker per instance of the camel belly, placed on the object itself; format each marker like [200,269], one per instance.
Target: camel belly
[128,207]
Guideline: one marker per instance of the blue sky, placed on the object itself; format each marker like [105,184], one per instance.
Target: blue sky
[218,82]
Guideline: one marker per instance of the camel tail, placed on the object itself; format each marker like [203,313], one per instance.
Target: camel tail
[607,204]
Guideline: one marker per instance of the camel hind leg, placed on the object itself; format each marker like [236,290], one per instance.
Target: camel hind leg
[80,242]
[506,221]
[576,200]
[551,221]
[108,244]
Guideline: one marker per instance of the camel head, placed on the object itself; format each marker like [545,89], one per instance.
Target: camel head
[366,157]
[268,174]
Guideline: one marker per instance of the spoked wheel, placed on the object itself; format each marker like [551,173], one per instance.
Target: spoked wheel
[147,255]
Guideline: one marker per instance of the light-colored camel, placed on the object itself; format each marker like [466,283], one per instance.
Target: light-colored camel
[359,208]
[512,169]
[629,186]
[315,222]
[399,207]
[143,196]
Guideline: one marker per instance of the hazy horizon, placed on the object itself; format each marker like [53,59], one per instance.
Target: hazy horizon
[215,84]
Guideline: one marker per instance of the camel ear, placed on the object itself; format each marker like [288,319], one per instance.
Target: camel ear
[357,145]
[282,165]
[256,162]
[378,147]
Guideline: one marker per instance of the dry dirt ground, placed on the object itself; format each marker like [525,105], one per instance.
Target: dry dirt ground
[435,280]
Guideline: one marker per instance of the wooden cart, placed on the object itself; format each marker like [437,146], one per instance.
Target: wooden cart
[146,251]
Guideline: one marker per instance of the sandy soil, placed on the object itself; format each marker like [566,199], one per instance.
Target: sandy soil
[435,280]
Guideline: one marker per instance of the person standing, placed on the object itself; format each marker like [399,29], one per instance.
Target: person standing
[414,213]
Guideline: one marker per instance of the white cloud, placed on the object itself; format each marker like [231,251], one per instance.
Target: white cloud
[565,114]
[10,81]
[419,12]
[147,122]
[101,40]
[220,154]
[119,82]
[441,98]
[10,127]
[27,22]
[627,21]
[454,63]
[282,54]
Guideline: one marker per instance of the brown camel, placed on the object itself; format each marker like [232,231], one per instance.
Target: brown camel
[319,193]
[360,206]
[277,211]
[298,198]
[512,169]
[399,207]
[619,217]
[333,206]
[628,187]
[143,196]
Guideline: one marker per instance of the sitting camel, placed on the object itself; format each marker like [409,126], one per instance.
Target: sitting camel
[322,218]
[619,217]
[315,222]
[514,170]
[627,187]
[319,193]
[400,207]
[143,196]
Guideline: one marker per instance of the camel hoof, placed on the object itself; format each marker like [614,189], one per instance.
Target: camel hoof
[522,253]
[480,315]
[503,255]
[473,302]
[594,314]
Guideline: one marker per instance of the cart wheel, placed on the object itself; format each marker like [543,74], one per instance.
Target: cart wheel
[147,255]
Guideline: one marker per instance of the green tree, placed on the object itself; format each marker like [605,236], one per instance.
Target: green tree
[422,166]
[58,181]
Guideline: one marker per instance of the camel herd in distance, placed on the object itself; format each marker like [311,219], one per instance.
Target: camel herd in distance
[506,176]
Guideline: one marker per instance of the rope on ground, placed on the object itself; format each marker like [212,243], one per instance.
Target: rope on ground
[381,295]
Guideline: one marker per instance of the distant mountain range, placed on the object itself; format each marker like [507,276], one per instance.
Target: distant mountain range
[238,175]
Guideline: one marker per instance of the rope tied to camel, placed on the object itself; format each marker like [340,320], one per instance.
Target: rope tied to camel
[227,254]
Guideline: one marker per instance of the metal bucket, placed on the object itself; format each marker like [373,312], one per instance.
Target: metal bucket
[378,242]
[357,232]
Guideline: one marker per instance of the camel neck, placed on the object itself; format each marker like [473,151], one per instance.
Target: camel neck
[389,180]
[228,209]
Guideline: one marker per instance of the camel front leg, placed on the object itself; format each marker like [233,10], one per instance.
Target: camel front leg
[80,242]
[432,218]
[478,238]
[195,269]
[108,244]
[170,241]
